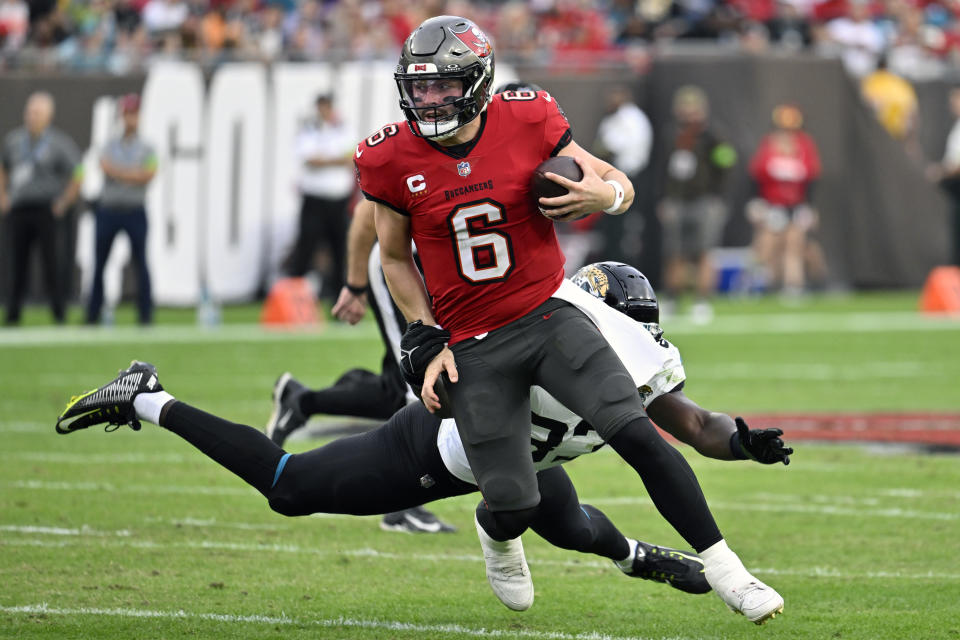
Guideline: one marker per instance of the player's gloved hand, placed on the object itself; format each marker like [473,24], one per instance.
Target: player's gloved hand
[762,445]
[419,345]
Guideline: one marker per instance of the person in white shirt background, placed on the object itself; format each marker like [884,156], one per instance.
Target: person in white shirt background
[324,148]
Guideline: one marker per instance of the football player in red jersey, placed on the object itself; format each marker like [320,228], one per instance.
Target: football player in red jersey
[499,317]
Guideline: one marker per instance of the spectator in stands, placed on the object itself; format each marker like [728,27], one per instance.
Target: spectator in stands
[693,212]
[789,29]
[14,21]
[164,16]
[857,38]
[40,176]
[784,166]
[129,164]
[324,148]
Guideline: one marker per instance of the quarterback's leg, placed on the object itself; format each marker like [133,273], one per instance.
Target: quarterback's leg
[576,357]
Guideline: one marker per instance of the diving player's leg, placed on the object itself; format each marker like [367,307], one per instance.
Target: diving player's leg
[564,522]
[395,466]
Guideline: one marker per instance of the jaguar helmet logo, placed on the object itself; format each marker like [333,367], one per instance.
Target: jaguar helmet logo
[593,281]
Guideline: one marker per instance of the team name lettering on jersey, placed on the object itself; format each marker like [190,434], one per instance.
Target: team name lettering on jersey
[468,189]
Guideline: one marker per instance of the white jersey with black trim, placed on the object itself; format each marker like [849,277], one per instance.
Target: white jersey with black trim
[557,434]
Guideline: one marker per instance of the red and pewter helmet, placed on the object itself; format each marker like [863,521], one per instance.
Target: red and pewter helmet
[445,47]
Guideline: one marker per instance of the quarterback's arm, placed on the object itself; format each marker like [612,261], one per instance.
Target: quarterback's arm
[403,277]
[716,435]
[593,192]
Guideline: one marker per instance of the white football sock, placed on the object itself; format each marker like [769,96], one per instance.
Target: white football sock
[148,405]
[722,568]
[627,563]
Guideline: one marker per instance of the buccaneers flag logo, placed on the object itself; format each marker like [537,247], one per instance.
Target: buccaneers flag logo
[476,41]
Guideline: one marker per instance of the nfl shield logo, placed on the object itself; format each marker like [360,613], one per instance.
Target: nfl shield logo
[463,168]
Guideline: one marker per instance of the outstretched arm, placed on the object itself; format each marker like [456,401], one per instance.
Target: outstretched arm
[716,435]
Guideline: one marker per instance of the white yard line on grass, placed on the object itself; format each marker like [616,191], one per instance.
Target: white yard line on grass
[842,509]
[105,540]
[821,509]
[826,322]
[388,625]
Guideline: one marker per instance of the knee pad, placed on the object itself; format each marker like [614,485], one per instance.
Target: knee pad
[504,525]
[509,493]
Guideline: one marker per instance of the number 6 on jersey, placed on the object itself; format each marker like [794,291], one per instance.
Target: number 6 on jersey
[483,254]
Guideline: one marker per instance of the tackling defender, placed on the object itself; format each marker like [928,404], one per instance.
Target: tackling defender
[416,457]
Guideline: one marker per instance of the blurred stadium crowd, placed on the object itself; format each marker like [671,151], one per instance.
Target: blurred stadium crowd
[918,39]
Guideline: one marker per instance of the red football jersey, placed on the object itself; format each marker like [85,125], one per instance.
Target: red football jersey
[488,255]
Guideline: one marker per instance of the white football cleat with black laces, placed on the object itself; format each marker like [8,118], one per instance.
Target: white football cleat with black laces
[112,403]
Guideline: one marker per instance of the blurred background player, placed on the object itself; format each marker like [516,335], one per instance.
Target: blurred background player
[693,212]
[40,178]
[324,146]
[784,168]
[129,163]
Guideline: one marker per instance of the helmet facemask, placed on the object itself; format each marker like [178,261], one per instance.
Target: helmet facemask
[440,120]
[445,48]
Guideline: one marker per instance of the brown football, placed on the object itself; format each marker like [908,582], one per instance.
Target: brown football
[543,187]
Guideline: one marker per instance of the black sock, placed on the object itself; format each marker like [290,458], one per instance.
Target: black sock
[245,451]
[669,480]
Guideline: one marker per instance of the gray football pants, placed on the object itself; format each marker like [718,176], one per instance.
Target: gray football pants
[557,347]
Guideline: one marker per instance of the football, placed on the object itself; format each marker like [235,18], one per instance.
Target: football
[543,187]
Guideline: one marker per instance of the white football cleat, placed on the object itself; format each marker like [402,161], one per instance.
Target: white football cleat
[754,600]
[507,570]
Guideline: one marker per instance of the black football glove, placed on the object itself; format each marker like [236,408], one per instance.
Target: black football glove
[762,445]
[419,345]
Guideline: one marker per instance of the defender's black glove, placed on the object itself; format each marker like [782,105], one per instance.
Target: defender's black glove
[419,345]
[762,445]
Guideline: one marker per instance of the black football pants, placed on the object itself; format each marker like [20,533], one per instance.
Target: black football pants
[393,467]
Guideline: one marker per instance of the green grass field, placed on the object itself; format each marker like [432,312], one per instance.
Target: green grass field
[137,535]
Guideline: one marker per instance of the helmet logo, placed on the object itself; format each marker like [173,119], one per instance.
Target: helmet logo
[593,280]
[421,67]
[476,41]
[464,169]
